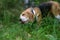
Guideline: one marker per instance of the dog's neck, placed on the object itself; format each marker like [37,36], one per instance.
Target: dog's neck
[34,13]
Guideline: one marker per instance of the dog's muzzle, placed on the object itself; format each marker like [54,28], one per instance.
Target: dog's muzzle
[23,19]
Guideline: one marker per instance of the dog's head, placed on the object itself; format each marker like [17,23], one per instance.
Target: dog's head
[26,16]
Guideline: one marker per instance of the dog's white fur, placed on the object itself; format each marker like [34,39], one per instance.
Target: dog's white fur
[58,17]
[34,12]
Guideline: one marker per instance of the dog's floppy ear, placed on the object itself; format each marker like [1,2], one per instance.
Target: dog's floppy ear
[30,14]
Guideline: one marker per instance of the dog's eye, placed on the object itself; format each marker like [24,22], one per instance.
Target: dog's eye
[23,14]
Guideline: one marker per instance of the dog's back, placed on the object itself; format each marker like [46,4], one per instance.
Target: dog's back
[45,8]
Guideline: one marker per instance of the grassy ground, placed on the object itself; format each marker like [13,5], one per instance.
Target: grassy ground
[49,29]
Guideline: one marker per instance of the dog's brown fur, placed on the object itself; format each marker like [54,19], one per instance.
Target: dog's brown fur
[55,10]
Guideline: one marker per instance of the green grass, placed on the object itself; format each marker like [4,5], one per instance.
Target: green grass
[49,29]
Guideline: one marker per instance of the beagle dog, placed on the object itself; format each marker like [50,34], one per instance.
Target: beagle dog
[37,13]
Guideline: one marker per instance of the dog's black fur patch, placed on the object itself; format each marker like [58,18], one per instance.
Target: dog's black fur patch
[45,8]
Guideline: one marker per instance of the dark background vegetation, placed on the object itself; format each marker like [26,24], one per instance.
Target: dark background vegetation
[11,29]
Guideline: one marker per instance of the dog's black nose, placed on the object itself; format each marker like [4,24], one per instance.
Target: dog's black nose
[20,20]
